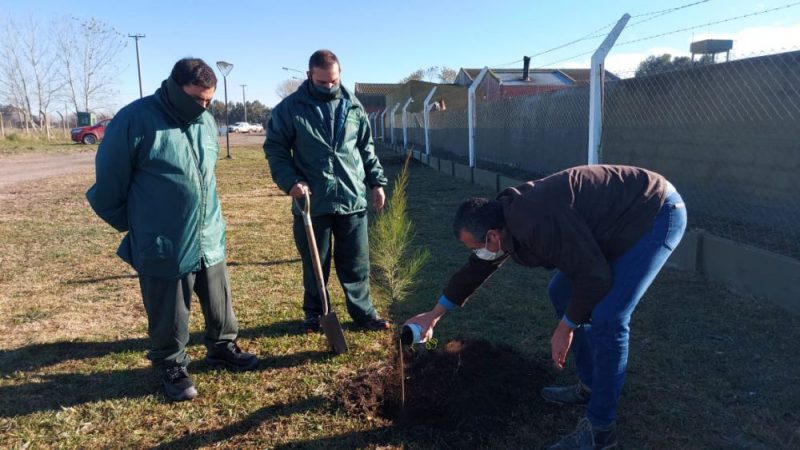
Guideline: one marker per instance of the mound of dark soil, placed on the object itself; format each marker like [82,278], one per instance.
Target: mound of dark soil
[468,388]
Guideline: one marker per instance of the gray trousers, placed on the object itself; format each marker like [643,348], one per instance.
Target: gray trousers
[168,302]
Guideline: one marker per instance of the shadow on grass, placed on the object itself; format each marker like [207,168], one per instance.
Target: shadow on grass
[263,263]
[230,264]
[374,438]
[37,356]
[50,392]
[245,425]
[101,279]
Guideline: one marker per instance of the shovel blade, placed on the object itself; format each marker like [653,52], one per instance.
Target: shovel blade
[333,331]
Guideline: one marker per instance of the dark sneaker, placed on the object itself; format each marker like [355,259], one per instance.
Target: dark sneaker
[177,384]
[577,394]
[231,357]
[376,324]
[311,325]
[587,437]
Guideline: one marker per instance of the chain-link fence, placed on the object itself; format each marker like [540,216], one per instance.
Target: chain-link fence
[727,135]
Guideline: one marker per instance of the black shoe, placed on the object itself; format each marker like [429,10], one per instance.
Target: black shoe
[178,386]
[588,437]
[231,357]
[376,324]
[577,394]
[311,325]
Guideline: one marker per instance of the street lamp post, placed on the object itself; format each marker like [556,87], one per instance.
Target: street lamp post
[225,68]
[289,69]
[244,102]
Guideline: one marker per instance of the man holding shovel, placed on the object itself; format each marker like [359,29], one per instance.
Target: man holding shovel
[319,144]
[607,230]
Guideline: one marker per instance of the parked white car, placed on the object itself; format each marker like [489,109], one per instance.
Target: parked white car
[244,127]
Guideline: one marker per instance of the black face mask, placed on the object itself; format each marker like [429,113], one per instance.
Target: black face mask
[186,107]
[321,93]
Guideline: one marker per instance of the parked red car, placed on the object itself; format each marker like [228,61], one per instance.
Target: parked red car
[90,134]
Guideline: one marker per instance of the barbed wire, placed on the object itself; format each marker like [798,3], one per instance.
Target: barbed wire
[680,30]
[596,33]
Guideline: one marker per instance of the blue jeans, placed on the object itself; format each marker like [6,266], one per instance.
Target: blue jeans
[600,348]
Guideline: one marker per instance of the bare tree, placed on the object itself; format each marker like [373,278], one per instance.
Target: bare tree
[38,53]
[447,75]
[89,52]
[433,73]
[287,87]
[15,79]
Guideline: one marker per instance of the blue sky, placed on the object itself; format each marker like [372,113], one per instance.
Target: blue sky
[382,42]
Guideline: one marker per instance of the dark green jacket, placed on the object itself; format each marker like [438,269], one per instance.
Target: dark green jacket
[155,179]
[298,148]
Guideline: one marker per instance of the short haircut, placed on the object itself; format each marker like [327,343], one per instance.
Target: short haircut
[194,71]
[322,59]
[477,215]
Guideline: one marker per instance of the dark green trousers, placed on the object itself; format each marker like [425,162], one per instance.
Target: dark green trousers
[346,238]
[168,302]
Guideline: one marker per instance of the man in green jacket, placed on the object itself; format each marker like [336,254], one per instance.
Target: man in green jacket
[319,142]
[155,180]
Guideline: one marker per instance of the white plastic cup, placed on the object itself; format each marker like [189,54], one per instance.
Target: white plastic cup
[411,334]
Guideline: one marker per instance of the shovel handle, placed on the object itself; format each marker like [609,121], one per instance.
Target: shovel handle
[305,211]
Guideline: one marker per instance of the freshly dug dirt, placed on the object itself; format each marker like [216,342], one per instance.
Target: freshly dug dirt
[471,390]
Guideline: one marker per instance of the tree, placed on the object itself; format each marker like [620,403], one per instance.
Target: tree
[89,52]
[447,75]
[433,73]
[658,64]
[28,70]
[39,55]
[256,112]
[287,87]
[394,264]
[15,79]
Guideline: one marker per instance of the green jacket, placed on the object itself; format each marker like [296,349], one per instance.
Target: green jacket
[155,179]
[298,148]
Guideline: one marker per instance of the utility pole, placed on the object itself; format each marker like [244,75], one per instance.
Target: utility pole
[244,102]
[136,37]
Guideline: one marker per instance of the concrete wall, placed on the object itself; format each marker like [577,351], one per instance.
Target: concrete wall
[744,268]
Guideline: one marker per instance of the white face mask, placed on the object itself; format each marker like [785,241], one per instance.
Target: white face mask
[484,254]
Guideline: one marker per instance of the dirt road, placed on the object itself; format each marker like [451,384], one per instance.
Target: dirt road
[21,168]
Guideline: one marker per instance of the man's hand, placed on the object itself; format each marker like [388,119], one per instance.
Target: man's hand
[299,190]
[378,198]
[428,321]
[560,343]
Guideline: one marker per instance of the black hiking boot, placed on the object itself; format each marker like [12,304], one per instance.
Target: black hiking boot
[231,357]
[376,324]
[178,386]
[311,325]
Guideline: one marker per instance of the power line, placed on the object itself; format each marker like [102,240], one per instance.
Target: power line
[669,10]
[730,19]
[597,33]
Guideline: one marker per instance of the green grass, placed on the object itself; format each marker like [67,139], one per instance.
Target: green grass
[18,142]
[708,368]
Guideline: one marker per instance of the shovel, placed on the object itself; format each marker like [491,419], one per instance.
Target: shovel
[328,321]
